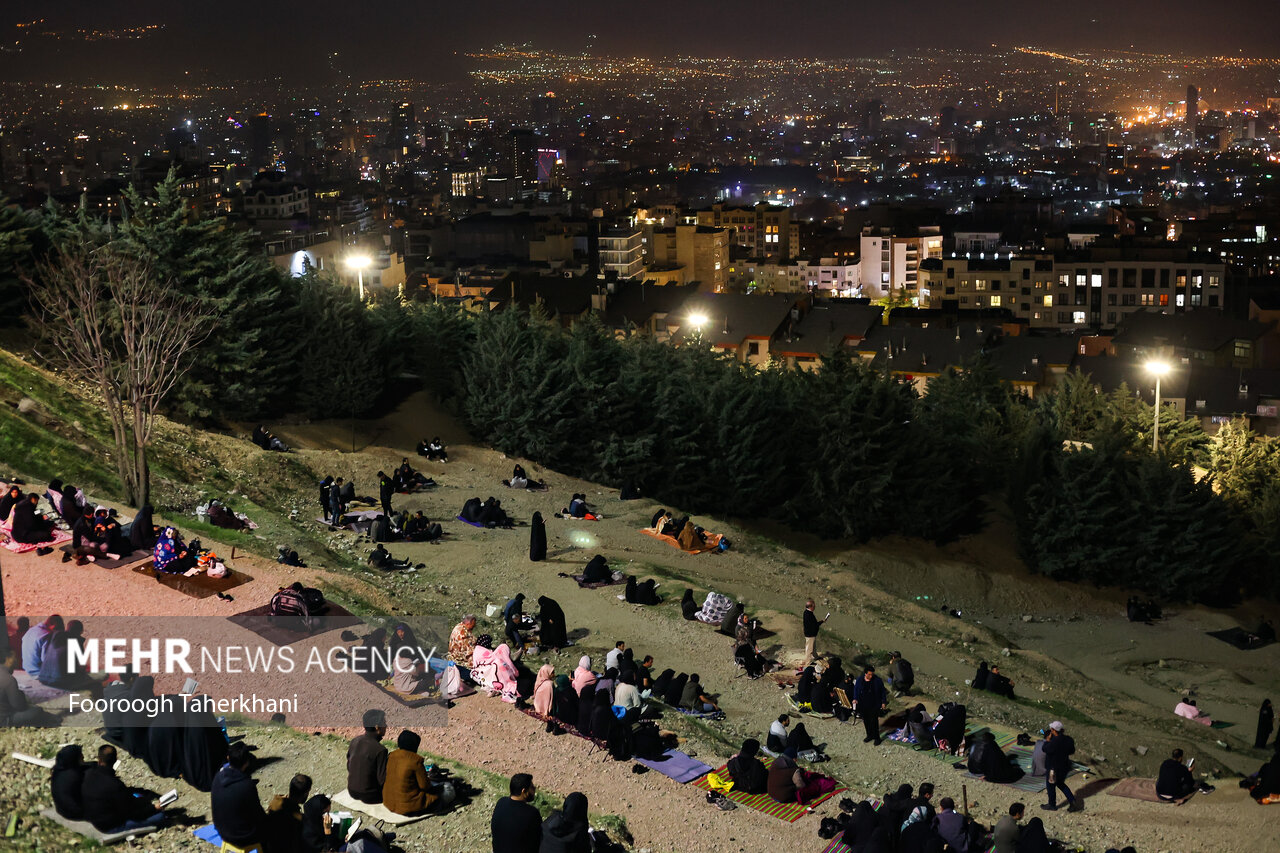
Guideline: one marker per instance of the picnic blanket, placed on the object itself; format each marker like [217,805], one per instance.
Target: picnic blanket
[713,541]
[1143,789]
[135,558]
[83,827]
[357,520]
[618,578]
[1240,638]
[675,764]
[36,692]
[196,586]
[378,812]
[60,536]
[256,621]
[790,812]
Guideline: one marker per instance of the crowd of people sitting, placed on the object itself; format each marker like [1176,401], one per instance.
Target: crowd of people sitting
[434,450]
[690,536]
[488,513]
[578,508]
[990,679]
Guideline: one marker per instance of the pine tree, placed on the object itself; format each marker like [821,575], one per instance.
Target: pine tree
[17,232]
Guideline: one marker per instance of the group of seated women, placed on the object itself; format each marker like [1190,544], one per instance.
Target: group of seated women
[21,519]
[487,514]
[433,450]
[407,479]
[784,781]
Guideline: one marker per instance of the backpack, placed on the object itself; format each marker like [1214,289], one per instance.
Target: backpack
[289,605]
[621,742]
[908,674]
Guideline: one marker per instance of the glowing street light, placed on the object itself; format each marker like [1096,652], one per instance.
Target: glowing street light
[698,321]
[359,263]
[1157,369]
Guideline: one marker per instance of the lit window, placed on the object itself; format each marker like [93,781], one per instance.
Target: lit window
[1096,279]
[1180,300]
[1243,349]
[1048,300]
[995,301]
[1077,317]
[980,284]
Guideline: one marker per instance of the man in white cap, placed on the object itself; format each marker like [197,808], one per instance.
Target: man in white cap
[1058,749]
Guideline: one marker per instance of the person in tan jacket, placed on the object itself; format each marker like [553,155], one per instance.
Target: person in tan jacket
[406,790]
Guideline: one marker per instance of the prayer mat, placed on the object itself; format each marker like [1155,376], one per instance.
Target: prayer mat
[713,541]
[256,621]
[36,692]
[136,558]
[1143,789]
[1220,724]
[83,827]
[790,812]
[527,710]
[377,812]
[1240,638]
[414,700]
[618,578]
[674,764]
[196,586]
[59,537]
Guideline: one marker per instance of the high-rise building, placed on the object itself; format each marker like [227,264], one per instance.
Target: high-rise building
[404,130]
[259,141]
[1193,111]
[875,117]
[522,162]
[621,251]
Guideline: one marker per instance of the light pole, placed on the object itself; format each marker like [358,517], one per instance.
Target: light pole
[1157,369]
[698,321]
[359,263]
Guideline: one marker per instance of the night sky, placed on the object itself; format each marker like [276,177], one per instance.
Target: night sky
[403,38]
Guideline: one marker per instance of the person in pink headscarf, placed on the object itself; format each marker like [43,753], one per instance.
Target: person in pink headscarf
[583,676]
[543,689]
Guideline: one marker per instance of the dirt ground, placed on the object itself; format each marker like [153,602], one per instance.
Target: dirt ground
[1069,649]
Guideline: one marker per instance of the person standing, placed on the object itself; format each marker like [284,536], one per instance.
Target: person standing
[516,826]
[1058,749]
[335,502]
[811,625]
[325,502]
[870,700]
[537,539]
[1266,720]
[386,488]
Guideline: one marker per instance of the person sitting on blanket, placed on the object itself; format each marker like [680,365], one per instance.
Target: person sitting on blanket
[85,545]
[627,696]
[347,492]
[607,681]
[805,686]
[564,701]
[583,677]
[462,642]
[36,640]
[66,780]
[655,523]
[406,790]
[787,783]
[371,661]
[597,570]
[748,773]
[31,527]
[785,740]
[8,502]
[143,532]
[419,528]
[688,607]
[1175,780]
[221,516]
[1264,785]
[171,556]
[823,698]
[695,698]
[641,593]
[107,529]
[1187,708]
[993,765]
[513,622]
[237,813]
[602,717]
[14,708]
[56,668]
[949,727]
[520,480]
[367,759]
[544,690]
[999,684]
[552,632]
[282,824]
[73,503]
[493,515]
[411,673]
[380,558]
[692,537]
[407,479]
[577,508]
[109,804]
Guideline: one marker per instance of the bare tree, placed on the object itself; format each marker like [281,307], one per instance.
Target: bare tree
[111,325]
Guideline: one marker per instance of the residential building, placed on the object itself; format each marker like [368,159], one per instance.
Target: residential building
[743,326]
[621,251]
[765,231]
[890,263]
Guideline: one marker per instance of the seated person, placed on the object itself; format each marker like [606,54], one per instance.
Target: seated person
[406,790]
[748,773]
[695,698]
[1139,610]
[8,501]
[30,527]
[107,528]
[520,480]
[113,715]
[419,528]
[380,558]
[627,696]
[87,542]
[688,607]
[577,508]
[948,730]
[462,642]
[980,677]
[602,717]
[597,570]
[259,436]
[433,450]
[1264,786]
[36,640]
[407,479]
[411,673]
[493,515]
[109,804]
[55,667]
[995,766]
[367,759]
[788,741]
[787,783]
[380,530]
[641,593]
[73,504]
[1187,708]
[282,825]
[67,780]
[1175,780]
[999,684]
[471,510]
[171,555]
[233,799]
[14,708]
[692,537]
[749,658]
[347,492]
[286,556]
[142,531]
[221,516]
[902,676]
[564,701]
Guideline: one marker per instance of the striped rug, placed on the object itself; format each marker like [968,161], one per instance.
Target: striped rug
[790,812]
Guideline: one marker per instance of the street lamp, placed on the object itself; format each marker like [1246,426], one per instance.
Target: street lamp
[359,263]
[1157,369]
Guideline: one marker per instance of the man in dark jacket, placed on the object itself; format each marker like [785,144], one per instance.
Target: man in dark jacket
[386,488]
[516,825]
[237,812]
[67,781]
[367,759]
[870,700]
[1175,780]
[14,708]
[811,625]
[902,676]
[108,803]
[1058,749]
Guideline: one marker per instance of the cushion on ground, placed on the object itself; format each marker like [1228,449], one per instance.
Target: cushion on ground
[83,827]
[378,812]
